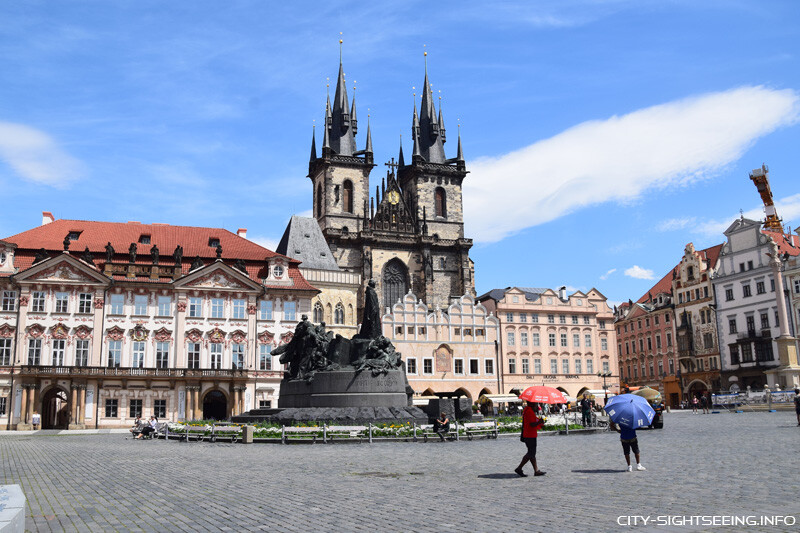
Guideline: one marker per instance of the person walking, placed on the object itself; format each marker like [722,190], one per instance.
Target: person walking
[586,410]
[797,404]
[704,403]
[530,430]
[694,405]
[627,437]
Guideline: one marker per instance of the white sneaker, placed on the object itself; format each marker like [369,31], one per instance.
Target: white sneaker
[630,468]
[640,467]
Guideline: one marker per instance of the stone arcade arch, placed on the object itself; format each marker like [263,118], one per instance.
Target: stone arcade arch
[215,405]
[55,408]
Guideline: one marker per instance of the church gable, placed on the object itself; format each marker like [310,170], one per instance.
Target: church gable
[393,214]
[218,277]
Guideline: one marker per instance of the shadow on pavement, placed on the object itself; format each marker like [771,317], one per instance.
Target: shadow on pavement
[599,471]
[499,476]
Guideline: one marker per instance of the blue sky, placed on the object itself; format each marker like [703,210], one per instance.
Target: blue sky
[601,136]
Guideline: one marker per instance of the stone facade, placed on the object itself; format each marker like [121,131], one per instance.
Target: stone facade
[553,339]
[451,352]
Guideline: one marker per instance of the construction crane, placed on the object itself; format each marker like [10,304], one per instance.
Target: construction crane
[760,177]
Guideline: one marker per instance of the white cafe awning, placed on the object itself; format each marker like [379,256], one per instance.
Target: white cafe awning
[502,398]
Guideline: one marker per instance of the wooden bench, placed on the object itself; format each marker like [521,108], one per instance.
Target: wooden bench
[426,430]
[476,429]
[332,433]
[300,434]
[159,430]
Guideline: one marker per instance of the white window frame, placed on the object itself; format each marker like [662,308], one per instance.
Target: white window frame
[238,359]
[58,352]
[458,362]
[5,352]
[411,366]
[9,301]
[523,338]
[239,309]
[427,363]
[578,366]
[511,338]
[290,311]
[82,352]
[488,367]
[138,353]
[587,340]
[215,351]
[565,366]
[38,299]
[114,354]
[474,364]
[195,307]
[590,366]
[537,365]
[265,357]
[164,306]
[193,355]
[576,340]
[217,308]
[526,365]
[34,352]
[140,304]
[116,304]
[62,303]
[162,355]
[265,310]
[85,303]
[604,344]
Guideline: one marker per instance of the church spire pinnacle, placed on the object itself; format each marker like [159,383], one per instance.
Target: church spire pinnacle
[428,125]
[341,127]
[368,147]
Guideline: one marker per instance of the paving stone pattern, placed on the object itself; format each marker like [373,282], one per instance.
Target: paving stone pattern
[731,464]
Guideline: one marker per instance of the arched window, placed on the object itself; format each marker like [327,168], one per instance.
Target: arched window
[338,314]
[440,203]
[319,200]
[395,282]
[347,196]
[318,317]
[441,263]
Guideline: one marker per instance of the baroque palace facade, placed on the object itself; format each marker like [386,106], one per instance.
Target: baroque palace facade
[103,321]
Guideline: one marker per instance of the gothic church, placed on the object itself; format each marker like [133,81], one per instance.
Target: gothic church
[409,236]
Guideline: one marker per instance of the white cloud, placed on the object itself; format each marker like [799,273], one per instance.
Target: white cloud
[267,242]
[35,156]
[605,276]
[639,273]
[673,224]
[619,159]
[788,209]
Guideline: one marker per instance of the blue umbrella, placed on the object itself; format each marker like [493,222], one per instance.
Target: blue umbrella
[630,411]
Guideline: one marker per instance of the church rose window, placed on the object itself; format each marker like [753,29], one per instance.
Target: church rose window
[395,281]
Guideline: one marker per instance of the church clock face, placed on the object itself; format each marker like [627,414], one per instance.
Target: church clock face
[393,197]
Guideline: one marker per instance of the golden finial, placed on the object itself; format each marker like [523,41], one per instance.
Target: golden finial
[354,85]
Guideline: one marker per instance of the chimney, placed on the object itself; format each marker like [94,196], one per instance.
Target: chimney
[242,232]
[47,217]
[562,292]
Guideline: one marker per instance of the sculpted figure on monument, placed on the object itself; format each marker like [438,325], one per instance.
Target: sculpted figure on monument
[371,326]
[306,352]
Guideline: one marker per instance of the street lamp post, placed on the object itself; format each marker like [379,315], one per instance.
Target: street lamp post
[605,375]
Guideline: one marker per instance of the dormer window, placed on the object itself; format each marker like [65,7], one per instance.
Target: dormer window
[73,235]
[277,271]
[144,239]
[213,242]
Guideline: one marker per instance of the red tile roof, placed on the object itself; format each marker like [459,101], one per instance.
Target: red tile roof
[664,285]
[787,243]
[194,240]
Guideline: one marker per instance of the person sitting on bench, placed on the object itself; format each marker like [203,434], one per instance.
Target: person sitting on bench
[149,429]
[441,425]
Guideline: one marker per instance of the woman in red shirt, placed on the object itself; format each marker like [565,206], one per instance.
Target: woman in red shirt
[530,429]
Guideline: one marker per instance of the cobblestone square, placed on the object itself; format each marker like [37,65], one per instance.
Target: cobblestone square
[719,464]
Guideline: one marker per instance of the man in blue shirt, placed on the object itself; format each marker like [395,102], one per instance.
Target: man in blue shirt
[629,442]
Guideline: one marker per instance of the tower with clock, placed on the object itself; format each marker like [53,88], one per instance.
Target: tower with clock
[409,236]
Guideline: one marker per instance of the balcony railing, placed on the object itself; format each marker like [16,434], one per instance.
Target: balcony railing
[122,372]
[753,334]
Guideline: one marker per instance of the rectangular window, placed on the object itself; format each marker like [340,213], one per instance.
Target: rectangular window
[655,320]
[728,294]
[669,339]
[536,339]
[62,300]
[760,288]
[265,357]
[195,307]
[606,368]
[458,366]
[160,408]
[525,365]
[587,340]
[193,354]
[641,345]
[217,308]
[140,305]
[488,366]
[135,408]
[264,404]
[510,338]
[82,352]
[604,344]
[239,308]
[797,286]
[574,319]
[576,340]
[602,323]
[764,320]
[116,303]
[512,366]
[565,366]
[523,338]
[164,306]
[708,341]
[747,353]
[427,366]
[9,300]
[411,365]
[37,302]
[578,369]
[746,290]
[237,356]
[562,319]
[552,339]
[554,366]
[551,319]
[652,373]
[649,344]
[265,310]
[587,320]
[564,343]
[59,347]
[84,303]
[671,366]
[162,355]
[537,366]
[474,366]
[138,354]
[523,317]
[535,316]
[289,309]
[589,366]
[734,349]
[114,354]
[215,351]
[2,405]
[660,367]
[5,352]
[111,407]
[509,317]
[732,325]
[34,351]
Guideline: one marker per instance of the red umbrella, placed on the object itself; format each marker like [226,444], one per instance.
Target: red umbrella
[543,394]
